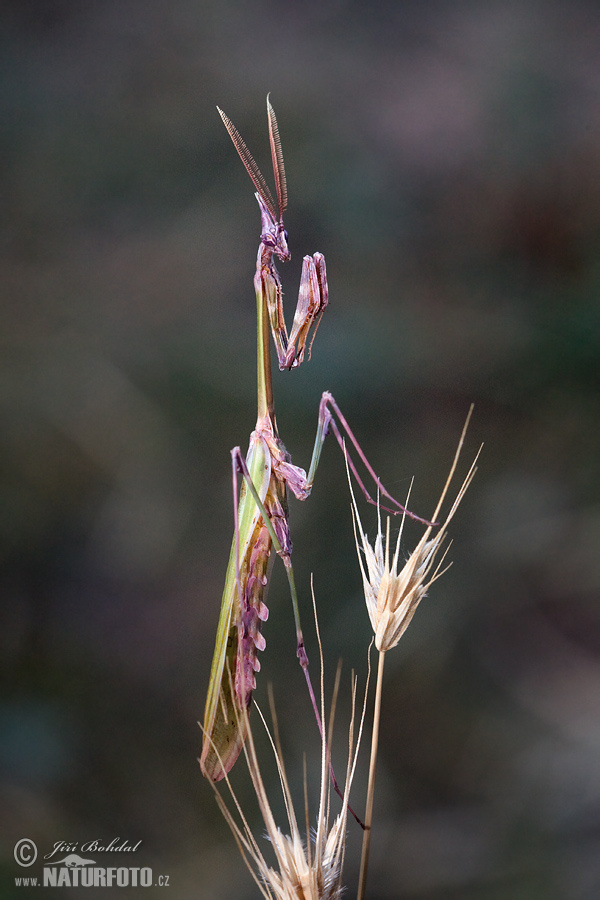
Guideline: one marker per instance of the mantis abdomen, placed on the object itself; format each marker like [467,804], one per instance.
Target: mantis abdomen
[239,636]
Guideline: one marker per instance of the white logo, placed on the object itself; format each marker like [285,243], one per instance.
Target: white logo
[72,861]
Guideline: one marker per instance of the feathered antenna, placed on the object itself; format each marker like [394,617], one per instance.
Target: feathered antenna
[277,157]
[252,169]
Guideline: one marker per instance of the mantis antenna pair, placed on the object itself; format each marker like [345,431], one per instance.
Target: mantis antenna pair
[261,513]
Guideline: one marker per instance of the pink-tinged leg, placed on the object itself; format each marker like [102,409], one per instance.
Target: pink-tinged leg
[329,411]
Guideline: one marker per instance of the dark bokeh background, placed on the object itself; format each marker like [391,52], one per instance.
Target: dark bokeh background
[446,159]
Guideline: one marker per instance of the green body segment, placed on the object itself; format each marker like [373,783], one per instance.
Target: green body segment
[224,732]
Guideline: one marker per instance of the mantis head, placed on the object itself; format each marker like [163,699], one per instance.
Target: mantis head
[273,234]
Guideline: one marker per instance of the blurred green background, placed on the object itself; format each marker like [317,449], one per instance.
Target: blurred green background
[446,159]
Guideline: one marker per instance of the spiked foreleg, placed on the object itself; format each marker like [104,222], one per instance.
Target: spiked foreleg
[313,297]
[267,285]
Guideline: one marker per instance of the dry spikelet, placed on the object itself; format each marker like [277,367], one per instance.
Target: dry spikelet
[307,869]
[392,596]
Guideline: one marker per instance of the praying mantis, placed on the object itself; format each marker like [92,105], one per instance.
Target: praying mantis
[261,511]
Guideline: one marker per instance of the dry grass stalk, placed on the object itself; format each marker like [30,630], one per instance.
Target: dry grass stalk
[393,596]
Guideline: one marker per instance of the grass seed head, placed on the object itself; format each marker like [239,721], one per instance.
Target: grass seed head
[393,596]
